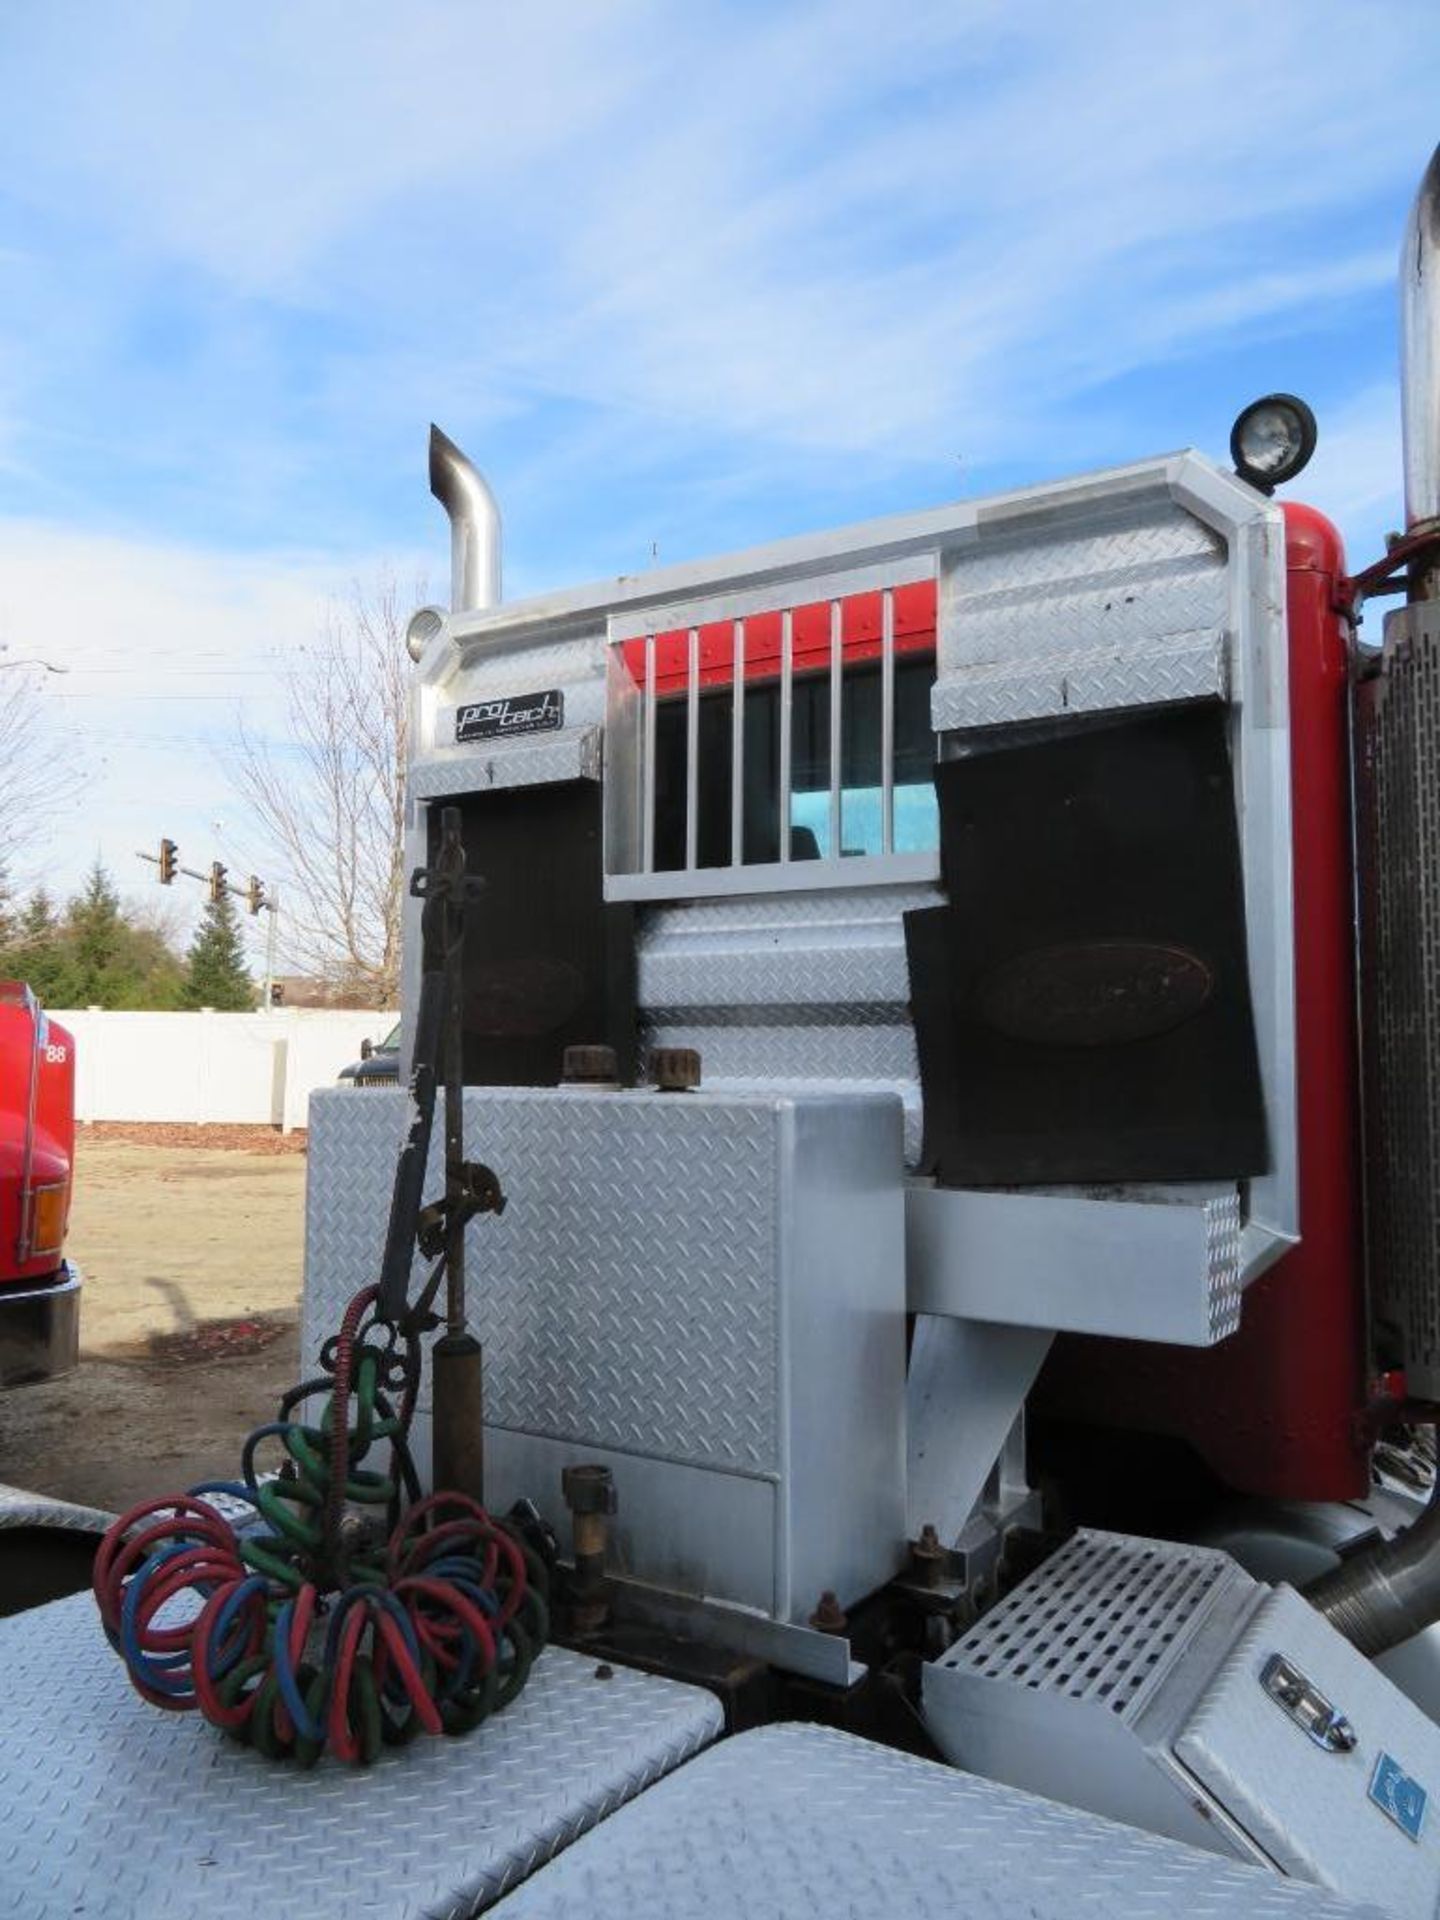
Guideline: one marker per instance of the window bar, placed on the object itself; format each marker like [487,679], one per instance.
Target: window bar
[887,721]
[787,635]
[647,762]
[737,749]
[836,667]
[692,748]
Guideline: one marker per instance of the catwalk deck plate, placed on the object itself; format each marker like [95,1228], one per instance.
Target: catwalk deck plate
[108,1806]
[803,1823]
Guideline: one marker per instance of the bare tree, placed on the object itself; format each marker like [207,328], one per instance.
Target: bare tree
[331,798]
[31,770]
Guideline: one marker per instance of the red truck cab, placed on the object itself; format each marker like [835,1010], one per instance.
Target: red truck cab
[39,1289]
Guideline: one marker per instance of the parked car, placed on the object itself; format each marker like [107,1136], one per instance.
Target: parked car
[379,1062]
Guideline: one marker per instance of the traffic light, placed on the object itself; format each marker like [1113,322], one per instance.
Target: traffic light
[255,894]
[217,880]
[169,855]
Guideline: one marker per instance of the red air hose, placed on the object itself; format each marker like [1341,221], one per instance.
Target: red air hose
[295,1634]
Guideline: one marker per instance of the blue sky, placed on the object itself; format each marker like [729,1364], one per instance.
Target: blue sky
[679,277]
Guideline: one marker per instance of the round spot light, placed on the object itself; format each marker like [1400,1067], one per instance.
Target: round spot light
[1272,440]
[422,629]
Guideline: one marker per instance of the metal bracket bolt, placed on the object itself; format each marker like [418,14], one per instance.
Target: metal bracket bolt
[675,1069]
[829,1616]
[927,1557]
[588,1066]
[589,1493]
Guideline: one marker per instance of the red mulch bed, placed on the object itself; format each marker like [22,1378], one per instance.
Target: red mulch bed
[216,1340]
[187,1133]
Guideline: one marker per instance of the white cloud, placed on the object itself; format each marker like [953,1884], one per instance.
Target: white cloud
[836,225]
[164,650]
[250,142]
[653,265]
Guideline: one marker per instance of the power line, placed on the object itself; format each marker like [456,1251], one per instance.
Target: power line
[99,693]
[198,673]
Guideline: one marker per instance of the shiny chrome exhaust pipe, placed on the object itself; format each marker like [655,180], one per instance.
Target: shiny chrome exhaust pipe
[1420,353]
[461,489]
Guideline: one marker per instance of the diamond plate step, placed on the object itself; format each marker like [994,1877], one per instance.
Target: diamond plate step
[798,1821]
[110,1807]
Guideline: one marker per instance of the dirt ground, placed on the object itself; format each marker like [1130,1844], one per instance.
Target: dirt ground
[191,1255]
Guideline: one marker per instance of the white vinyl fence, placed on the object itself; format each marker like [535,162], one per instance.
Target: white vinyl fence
[259,1068]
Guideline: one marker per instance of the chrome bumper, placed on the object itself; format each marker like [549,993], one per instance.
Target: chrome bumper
[40,1329]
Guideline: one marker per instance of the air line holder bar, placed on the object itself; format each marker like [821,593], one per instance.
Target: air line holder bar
[446,890]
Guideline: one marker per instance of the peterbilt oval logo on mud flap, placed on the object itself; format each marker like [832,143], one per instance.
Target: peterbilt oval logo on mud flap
[1094,993]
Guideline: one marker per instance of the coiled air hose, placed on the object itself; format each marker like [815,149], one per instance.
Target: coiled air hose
[313,1629]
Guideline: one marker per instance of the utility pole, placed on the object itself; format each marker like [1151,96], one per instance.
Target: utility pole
[272,907]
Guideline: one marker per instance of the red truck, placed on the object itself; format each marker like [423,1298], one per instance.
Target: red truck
[39,1289]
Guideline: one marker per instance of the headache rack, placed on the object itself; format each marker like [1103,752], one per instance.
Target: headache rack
[760,734]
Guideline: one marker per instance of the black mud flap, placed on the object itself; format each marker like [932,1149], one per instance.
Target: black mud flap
[1082,1005]
[547,963]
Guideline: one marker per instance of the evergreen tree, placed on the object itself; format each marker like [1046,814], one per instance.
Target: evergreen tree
[40,953]
[160,973]
[215,974]
[38,923]
[101,952]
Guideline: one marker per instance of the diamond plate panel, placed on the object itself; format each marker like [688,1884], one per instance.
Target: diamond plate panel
[1077,682]
[488,669]
[354,1138]
[614,1205]
[826,1015]
[804,1059]
[812,1050]
[1199,670]
[1136,1262]
[1225,1272]
[108,1807]
[572,755]
[1102,588]
[21,1508]
[610,1307]
[757,914]
[488,672]
[807,959]
[799,1820]
[795,968]
[806,989]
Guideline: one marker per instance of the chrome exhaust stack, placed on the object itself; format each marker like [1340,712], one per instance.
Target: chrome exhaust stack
[1420,357]
[474,514]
